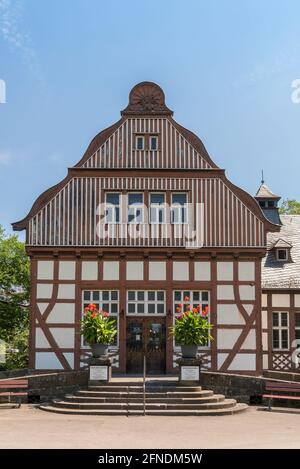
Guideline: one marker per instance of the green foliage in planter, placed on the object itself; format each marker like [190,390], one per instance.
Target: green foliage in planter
[192,328]
[97,327]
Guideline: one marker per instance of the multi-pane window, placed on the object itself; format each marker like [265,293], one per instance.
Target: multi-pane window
[146,302]
[280,330]
[153,143]
[112,207]
[297,328]
[139,143]
[105,300]
[135,207]
[183,298]
[157,208]
[179,208]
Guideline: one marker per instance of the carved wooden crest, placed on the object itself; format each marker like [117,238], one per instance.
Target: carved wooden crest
[146,98]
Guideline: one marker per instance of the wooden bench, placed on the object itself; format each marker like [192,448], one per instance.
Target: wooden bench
[281,390]
[11,388]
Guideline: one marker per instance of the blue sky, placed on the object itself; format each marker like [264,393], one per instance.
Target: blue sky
[226,67]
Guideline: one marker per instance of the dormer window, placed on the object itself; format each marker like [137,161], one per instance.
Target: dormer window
[153,142]
[140,142]
[282,254]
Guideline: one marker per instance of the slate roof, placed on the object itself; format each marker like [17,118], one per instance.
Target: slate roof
[279,274]
[264,192]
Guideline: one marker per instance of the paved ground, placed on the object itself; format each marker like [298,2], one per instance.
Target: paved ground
[30,427]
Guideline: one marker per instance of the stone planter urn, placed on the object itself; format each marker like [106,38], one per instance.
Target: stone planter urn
[189,351]
[99,350]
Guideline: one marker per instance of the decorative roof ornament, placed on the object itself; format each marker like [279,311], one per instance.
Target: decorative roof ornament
[146,98]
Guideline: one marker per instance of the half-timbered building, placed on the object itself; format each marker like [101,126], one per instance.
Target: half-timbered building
[280,288]
[145,220]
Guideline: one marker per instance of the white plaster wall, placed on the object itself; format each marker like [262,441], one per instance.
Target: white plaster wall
[264,319]
[111,270]
[225,270]
[297,300]
[202,270]
[280,299]
[45,270]
[264,300]
[62,313]
[63,336]
[47,361]
[265,362]
[229,314]
[40,339]
[180,270]
[42,307]
[44,290]
[247,292]
[221,359]
[228,337]
[66,291]
[157,270]
[66,270]
[250,341]
[89,270]
[243,361]
[265,340]
[225,292]
[70,358]
[246,270]
[134,270]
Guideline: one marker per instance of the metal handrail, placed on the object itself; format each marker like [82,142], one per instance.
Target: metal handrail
[144,386]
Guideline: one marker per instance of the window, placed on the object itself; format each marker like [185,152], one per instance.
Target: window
[192,298]
[105,300]
[112,207]
[280,331]
[135,207]
[297,328]
[146,302]
[282,254]
[179,209]
[153,143]
[139,143]
[157,208]
[262,203]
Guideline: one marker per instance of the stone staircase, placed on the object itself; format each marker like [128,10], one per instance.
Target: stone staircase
[161,398]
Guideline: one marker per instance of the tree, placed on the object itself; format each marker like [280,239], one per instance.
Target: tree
[14,299]
[290,207]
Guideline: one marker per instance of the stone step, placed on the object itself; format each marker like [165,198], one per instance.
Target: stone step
[171,400]
[224,403]
[161,412]
[124,395]
[150,388]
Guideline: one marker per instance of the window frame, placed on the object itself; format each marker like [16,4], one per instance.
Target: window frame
[145,302]
[113,222]
[286,254]
[98,303]
[163,208]
[137,206]
[297,328]
[150,142]
[137,137]
[177,206]
[195,303]
[280,328]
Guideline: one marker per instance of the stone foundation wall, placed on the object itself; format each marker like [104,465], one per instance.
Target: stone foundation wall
[51,385]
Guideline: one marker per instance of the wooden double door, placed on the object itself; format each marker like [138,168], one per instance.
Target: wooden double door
[146,337]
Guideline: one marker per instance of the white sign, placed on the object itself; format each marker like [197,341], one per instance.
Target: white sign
[190,373]
[98,373]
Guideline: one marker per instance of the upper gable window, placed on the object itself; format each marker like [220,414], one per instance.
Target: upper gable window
[153,142]
[282,254]
[140,143]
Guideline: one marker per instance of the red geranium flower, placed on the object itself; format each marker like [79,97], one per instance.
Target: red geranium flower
[105,314]
[186,298]
[180,305]
[207,308]
[92,306]
[198,308]
[93,315]
[178,310]
[204,312]
[195,310]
